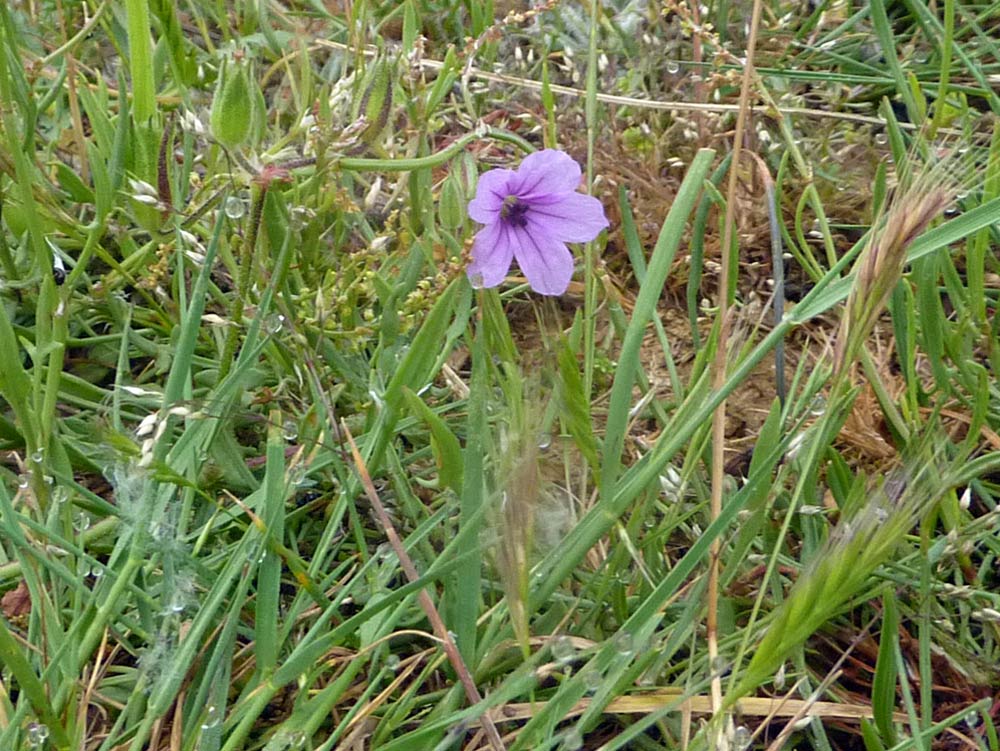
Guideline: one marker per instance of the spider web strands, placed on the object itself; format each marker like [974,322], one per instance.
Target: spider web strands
[627,101]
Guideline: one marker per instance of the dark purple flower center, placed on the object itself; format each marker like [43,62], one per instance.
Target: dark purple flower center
[514,211]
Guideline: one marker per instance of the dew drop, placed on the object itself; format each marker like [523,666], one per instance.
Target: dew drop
[37,734]
[234,207]
[572,740]
[81,521]
[881,139]
[591,680]
[274,323]
[23,481]
[673,67]
[476,280]
[647,679]
[818,406]
[741,738]
[544,441]
[211,717]
[392,663]
[37,456]
[563,649]
[623,643]
[290,429]
[720,666]
[297,475]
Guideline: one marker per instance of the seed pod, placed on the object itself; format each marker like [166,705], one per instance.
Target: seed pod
[376,103]
[232,115]
[451,211]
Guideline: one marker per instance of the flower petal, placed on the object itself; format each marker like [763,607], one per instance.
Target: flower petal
[492,251]
[575,218]
[545,173]
[545,260]
[491,190]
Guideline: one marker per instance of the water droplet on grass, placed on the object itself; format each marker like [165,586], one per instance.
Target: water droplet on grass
[212,717]
[37,734]
[673,67]
[563,649]
[273,324]
[81,521]
[741,738]
[37,455]
[290,430]
[392,663]
[234,207]
[591,680]
[476,280]
[572,740]
[623,643]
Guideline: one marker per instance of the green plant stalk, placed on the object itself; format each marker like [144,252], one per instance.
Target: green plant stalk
[244,282]
[978,245]
[590,280]
[645,307]
[272,511]
[140,60]
[944,74]
[467,584]
[13,658]
[883,30]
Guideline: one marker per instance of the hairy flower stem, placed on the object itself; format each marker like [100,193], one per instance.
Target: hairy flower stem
[245,270]
[426,603]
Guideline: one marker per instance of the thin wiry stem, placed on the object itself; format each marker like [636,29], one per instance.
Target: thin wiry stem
[426,604]
[721,357]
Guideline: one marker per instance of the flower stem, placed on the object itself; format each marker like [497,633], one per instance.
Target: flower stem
[245,271]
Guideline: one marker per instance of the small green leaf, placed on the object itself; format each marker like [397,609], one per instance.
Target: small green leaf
[575,407]
[411,26]
[70,182]
[447,450]
[884,682]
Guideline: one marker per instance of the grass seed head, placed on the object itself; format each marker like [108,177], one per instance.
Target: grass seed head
[880,265]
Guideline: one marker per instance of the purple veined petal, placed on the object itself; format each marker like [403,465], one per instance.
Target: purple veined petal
[491,190]
[575,218]
[544,174]
[544,260]
[492,252]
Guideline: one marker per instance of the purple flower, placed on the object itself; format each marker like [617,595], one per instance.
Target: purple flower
[530,214]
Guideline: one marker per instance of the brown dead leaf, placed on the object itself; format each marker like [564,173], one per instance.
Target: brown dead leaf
[16,602]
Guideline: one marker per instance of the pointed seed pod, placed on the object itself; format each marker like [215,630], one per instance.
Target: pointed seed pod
[232,115]
[452,209]
[376,104]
